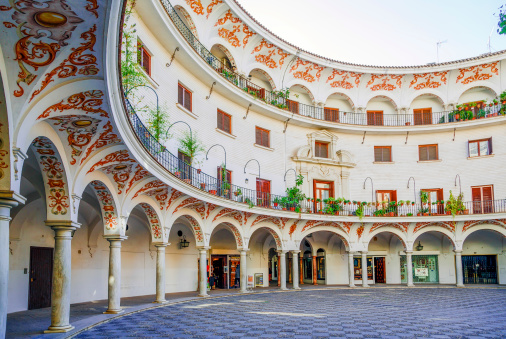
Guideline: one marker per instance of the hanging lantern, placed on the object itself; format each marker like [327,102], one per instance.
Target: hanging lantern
[183,243]
[419,247]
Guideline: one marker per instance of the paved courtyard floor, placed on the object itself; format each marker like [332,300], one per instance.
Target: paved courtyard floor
[350,313]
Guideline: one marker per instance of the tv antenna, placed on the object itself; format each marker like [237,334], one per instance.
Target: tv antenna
[439,43]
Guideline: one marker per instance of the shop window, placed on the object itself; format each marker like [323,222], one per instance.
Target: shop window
[428,152]
[292,106]
[382,153]
[425,269]
[358,269]
[321,149]
[320,264]
[375,118]
[423,116]
[184,97]
[262,137]
[480,147]
[225,122]
[331,114]
[483,199]
[322,190]
[143,58]
[263,192]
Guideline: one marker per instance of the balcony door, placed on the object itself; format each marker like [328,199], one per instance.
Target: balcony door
[263,192]
[483,199]
[375,118]
[322,190]
[435,195]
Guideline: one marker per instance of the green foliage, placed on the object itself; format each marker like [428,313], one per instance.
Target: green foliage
[191,145]
[157,121]
[249,202]
[294,194]
[455,204]
[424,197]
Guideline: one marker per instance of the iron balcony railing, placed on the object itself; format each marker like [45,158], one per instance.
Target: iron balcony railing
[327,114]
[212,185]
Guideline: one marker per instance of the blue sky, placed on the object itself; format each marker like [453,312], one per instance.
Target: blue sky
[387,32]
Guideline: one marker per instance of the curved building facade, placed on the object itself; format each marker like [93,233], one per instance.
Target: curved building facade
[306,170]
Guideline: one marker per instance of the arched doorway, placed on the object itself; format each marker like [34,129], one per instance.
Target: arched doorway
[224,259]
[481,257]
[381,246]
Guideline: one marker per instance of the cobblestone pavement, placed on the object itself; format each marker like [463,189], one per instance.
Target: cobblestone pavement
[358,313]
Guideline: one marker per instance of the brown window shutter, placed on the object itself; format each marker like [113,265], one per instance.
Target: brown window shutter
[187,100]
[476,193]
[146,62]
[418,117]
[432,153]
[487,193]
[422,152]
[180,94]
[220,120]
[267,140]
[227,124]
[490,146]
[378,154]
[258,136]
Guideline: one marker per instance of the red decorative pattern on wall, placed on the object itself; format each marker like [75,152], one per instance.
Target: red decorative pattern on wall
[153,220]
[160,195]
[360,230]
[197,230]
[211,5]
[230,35]
[428,80]
[293,228]
[186,203]
[80,131]
[118,156]
[268,59]
[267,218]
[383,82]
[222,213]
[471,223]
[345,76]
[306,68]
[107,137]
[450,226]
[78,62]
[210,208]
[3,153]
[150,185]
[89,102]
[228,17]
[120,172]
[477,73]
[196,6]
[140,173]
[174,195]
[92,7]
[107,205]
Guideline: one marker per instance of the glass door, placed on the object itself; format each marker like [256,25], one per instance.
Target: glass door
[322,191]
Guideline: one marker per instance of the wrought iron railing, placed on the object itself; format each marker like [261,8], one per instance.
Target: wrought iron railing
[277,99]
[212,185]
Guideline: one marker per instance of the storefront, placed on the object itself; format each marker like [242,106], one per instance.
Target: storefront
[425,269]
[320,266]
[376,273]
[479,269]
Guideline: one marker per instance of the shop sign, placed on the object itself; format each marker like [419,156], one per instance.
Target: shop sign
[421,272]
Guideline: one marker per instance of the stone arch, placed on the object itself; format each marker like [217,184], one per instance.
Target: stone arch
[6,175]
[346,97]
[489,225]
[308,92]
[112,223]
[275,234]
[234,227]
[337,231]
[494,92]
[196,229]
[227,53]
[392,101]
[54,175]
[426,94]
[187,19]
[157,230]
[386,229]
[266,75]
[434,228]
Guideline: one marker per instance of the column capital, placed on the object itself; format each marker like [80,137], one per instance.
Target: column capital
[363,252]
[352,252]
[161,244]
[296,251]
[409,251]
[457,251]
[63,224]
[203,248]
[115,237]
[11,199]
[244,250]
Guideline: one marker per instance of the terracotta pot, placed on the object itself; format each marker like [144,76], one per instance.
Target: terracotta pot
[202,185]
[390,214]
[292,209]
[457,116]
[425,214]
[466,211]
[448,212]
[408,123]
[177,174]
[199,171]
[212,192]
[275,204]
[337,212]
[284,208]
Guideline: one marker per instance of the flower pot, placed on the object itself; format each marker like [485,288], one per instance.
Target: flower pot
[236,193]
[275,204]
[337,212]
[408,123]
[292,209]
[177,174]
[390,214]
[418,214]
[425,214]
[212,192]
[284,208]
[199,171]
[457,116]
[448,212]
[466,211]
[188,181]
[202,186]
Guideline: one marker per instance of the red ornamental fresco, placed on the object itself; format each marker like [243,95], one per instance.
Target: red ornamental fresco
[106,137]
[268,59]
[153,220]
[89,102]
[120,173]
[107,204]
[348,80]
[196,6]
[428,80]
[118,156]
[231,35]
[477,73]
[385,82]
[303,70]
[211,6]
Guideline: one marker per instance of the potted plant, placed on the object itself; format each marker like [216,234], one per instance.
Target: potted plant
[249,202]
[409,214]
[202,185]
[238,192]
[213,192]
[276,201]
[192,146]
[424,197]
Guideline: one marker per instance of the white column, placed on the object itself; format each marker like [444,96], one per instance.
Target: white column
[458,263]
[114,282]
[295,269]
[62,271]
[203,272]
[244,273]
[160,273]
[5,207]
[282,269]
[364,269]
[351,269]
[409,268]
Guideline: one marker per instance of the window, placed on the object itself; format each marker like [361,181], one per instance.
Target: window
[144,58]
[384,197]
[293,106]
[382,153]
[331,114]
[184,97]
[321,149]
[480,147]
[224,122]
[435,195]
[263,192]
[423,116]
[322,190]
[262,137]
[428,152]
[184,165]
[483,199]
[223,186]
[375,118]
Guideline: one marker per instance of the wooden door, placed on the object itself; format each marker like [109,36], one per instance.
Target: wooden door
[292,106]
[423,116]
[331,114]
[483,199]
[184,165]
[375,118]
[41,275]
[222,186]
[263,192]
[435,195]
[322,190]
[379,270]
